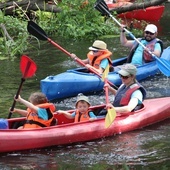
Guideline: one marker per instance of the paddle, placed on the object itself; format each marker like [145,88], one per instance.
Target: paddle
[111,113]
[38,32]
[163,65]
[28,68]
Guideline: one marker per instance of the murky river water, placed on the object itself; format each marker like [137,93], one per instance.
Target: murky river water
[144,149]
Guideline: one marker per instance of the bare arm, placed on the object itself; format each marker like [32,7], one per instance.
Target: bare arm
[125,109]
[100,70]
[123,39]
[27,104]
[157,53]
[67,114]
[73,56]
[20,111]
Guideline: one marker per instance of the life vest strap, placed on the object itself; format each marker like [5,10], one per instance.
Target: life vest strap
[35,122]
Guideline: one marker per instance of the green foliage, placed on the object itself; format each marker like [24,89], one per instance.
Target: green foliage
[78,21]
[16,42]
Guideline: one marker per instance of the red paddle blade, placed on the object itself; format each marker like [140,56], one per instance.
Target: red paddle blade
[27,67]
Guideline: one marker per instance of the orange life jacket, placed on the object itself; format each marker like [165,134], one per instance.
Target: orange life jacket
[96,60]
[81,116]
[33,121]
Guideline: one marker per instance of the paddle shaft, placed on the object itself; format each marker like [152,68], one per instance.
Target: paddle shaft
[17,94]
[106,92]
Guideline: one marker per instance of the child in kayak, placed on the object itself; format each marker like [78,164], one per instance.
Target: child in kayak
[39,112]
[82,112]
[98,57]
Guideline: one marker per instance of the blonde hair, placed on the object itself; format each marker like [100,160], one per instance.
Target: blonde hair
[38,98]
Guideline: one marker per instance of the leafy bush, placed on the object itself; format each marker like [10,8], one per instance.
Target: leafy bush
[15,42]
[78,20]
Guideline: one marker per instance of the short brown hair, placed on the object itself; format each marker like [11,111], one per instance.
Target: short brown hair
[38,98]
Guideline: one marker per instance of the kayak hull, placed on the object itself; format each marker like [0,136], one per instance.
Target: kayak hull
[153,13]
[67,132]
[74,81]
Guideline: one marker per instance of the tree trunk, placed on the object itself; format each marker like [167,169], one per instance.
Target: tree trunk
[135,6]
[9,7]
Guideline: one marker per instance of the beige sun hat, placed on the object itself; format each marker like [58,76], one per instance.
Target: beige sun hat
[128,69]
[98,45]
[151,28]
[81,97]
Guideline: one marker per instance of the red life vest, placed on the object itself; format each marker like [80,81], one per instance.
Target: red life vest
[33,121]
[146,56]
[81,116]
[96,60]
[123,94]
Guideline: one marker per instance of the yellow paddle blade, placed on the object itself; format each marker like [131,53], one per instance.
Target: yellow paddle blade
[110,117]
[105,73]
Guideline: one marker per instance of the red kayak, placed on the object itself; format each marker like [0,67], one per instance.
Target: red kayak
[153,13]
[67,132]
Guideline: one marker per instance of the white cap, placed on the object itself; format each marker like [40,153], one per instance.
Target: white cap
[151,28]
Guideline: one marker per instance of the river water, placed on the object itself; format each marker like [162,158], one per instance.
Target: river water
[144,149]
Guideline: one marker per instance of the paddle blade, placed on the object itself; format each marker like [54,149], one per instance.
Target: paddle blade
[102,7]
[105,73]
[27,67]
[110,117]
[163,65]
[36,31]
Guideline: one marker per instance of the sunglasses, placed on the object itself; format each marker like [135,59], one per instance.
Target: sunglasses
[95,51]
[124,77]
[147,32]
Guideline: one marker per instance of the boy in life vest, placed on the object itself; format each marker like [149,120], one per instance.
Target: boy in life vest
[98,57]
[138,55]
[82,112]
[39,113]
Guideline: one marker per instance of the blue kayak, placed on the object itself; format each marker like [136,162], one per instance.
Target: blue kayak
[80,80]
